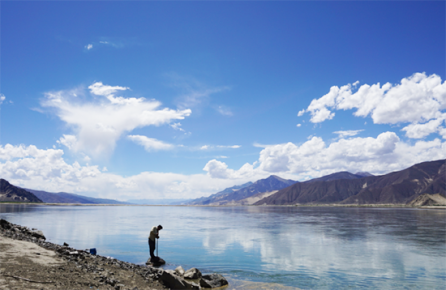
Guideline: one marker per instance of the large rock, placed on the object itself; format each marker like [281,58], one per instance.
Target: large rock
[192,273]
[213,281]
[38,234]
[171,280]
[5,224]
[180,271]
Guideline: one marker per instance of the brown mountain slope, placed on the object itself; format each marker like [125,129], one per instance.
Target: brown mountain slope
[395,188]
[9,192]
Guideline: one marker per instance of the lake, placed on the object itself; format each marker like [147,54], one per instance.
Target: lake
[302,247]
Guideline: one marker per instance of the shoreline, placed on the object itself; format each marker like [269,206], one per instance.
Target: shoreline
[28,261]
[293,205]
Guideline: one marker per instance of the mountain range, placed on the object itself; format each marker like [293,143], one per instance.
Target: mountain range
[400,187]
[236,195]
[418,185]
[63,197]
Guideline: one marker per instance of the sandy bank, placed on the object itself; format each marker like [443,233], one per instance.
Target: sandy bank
[29,262]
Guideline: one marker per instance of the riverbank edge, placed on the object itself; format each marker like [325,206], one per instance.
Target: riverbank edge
[156,278]
[185,205]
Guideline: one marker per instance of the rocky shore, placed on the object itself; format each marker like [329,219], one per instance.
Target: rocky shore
[28,261]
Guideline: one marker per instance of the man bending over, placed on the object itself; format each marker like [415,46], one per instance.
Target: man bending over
[154,234]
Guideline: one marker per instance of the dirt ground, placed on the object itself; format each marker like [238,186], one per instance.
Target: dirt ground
[26,265]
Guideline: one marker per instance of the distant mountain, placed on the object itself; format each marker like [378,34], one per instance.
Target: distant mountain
[159,201]
[337,175]
[363,174]
[9,192]
[269,184]
[63,197]
[216,196]
[398,187]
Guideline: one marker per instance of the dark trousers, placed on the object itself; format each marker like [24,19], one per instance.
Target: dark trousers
[152,248]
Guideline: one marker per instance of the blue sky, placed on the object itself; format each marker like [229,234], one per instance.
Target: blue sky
[182,99]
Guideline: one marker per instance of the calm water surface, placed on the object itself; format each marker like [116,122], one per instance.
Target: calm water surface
[303,247]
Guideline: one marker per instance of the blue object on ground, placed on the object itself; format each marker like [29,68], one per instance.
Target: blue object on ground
[93,251]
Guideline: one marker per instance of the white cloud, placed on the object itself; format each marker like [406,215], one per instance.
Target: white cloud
[229,146]
[35,168]
[315,158]
[40,169]
[103,90]
[150,144]
[89,46]
[417,130]
[207,147]
[301,112]
[70,141]
[2,98]
[298,125]
[347,133]
[98,123]
[177,126]
[219,170]
[417,99]
[31,166]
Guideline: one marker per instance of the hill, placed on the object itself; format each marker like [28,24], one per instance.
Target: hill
[216,196]
[398,187]
[63,197]
[339,175]
[9,192]
[269,184]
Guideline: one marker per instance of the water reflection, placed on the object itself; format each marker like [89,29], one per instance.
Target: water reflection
[318,247]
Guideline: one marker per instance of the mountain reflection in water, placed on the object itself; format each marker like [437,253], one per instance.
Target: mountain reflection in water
[303,247]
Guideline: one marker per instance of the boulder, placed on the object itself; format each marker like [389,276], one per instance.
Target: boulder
[180,271]
[38,234]
[192,273]
[213,281]
[5,224]
[171,280]
[155,262]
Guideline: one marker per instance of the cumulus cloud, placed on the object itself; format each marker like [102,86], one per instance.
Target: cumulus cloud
[2,98]
[150,144]
[46,169]
[89,46]
[70,141]
[315,158]
[417,99]
[219,170]
[98,123]
[32,166]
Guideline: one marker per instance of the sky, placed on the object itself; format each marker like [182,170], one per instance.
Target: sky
[178,100]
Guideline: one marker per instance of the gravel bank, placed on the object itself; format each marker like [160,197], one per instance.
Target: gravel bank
[29,262]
